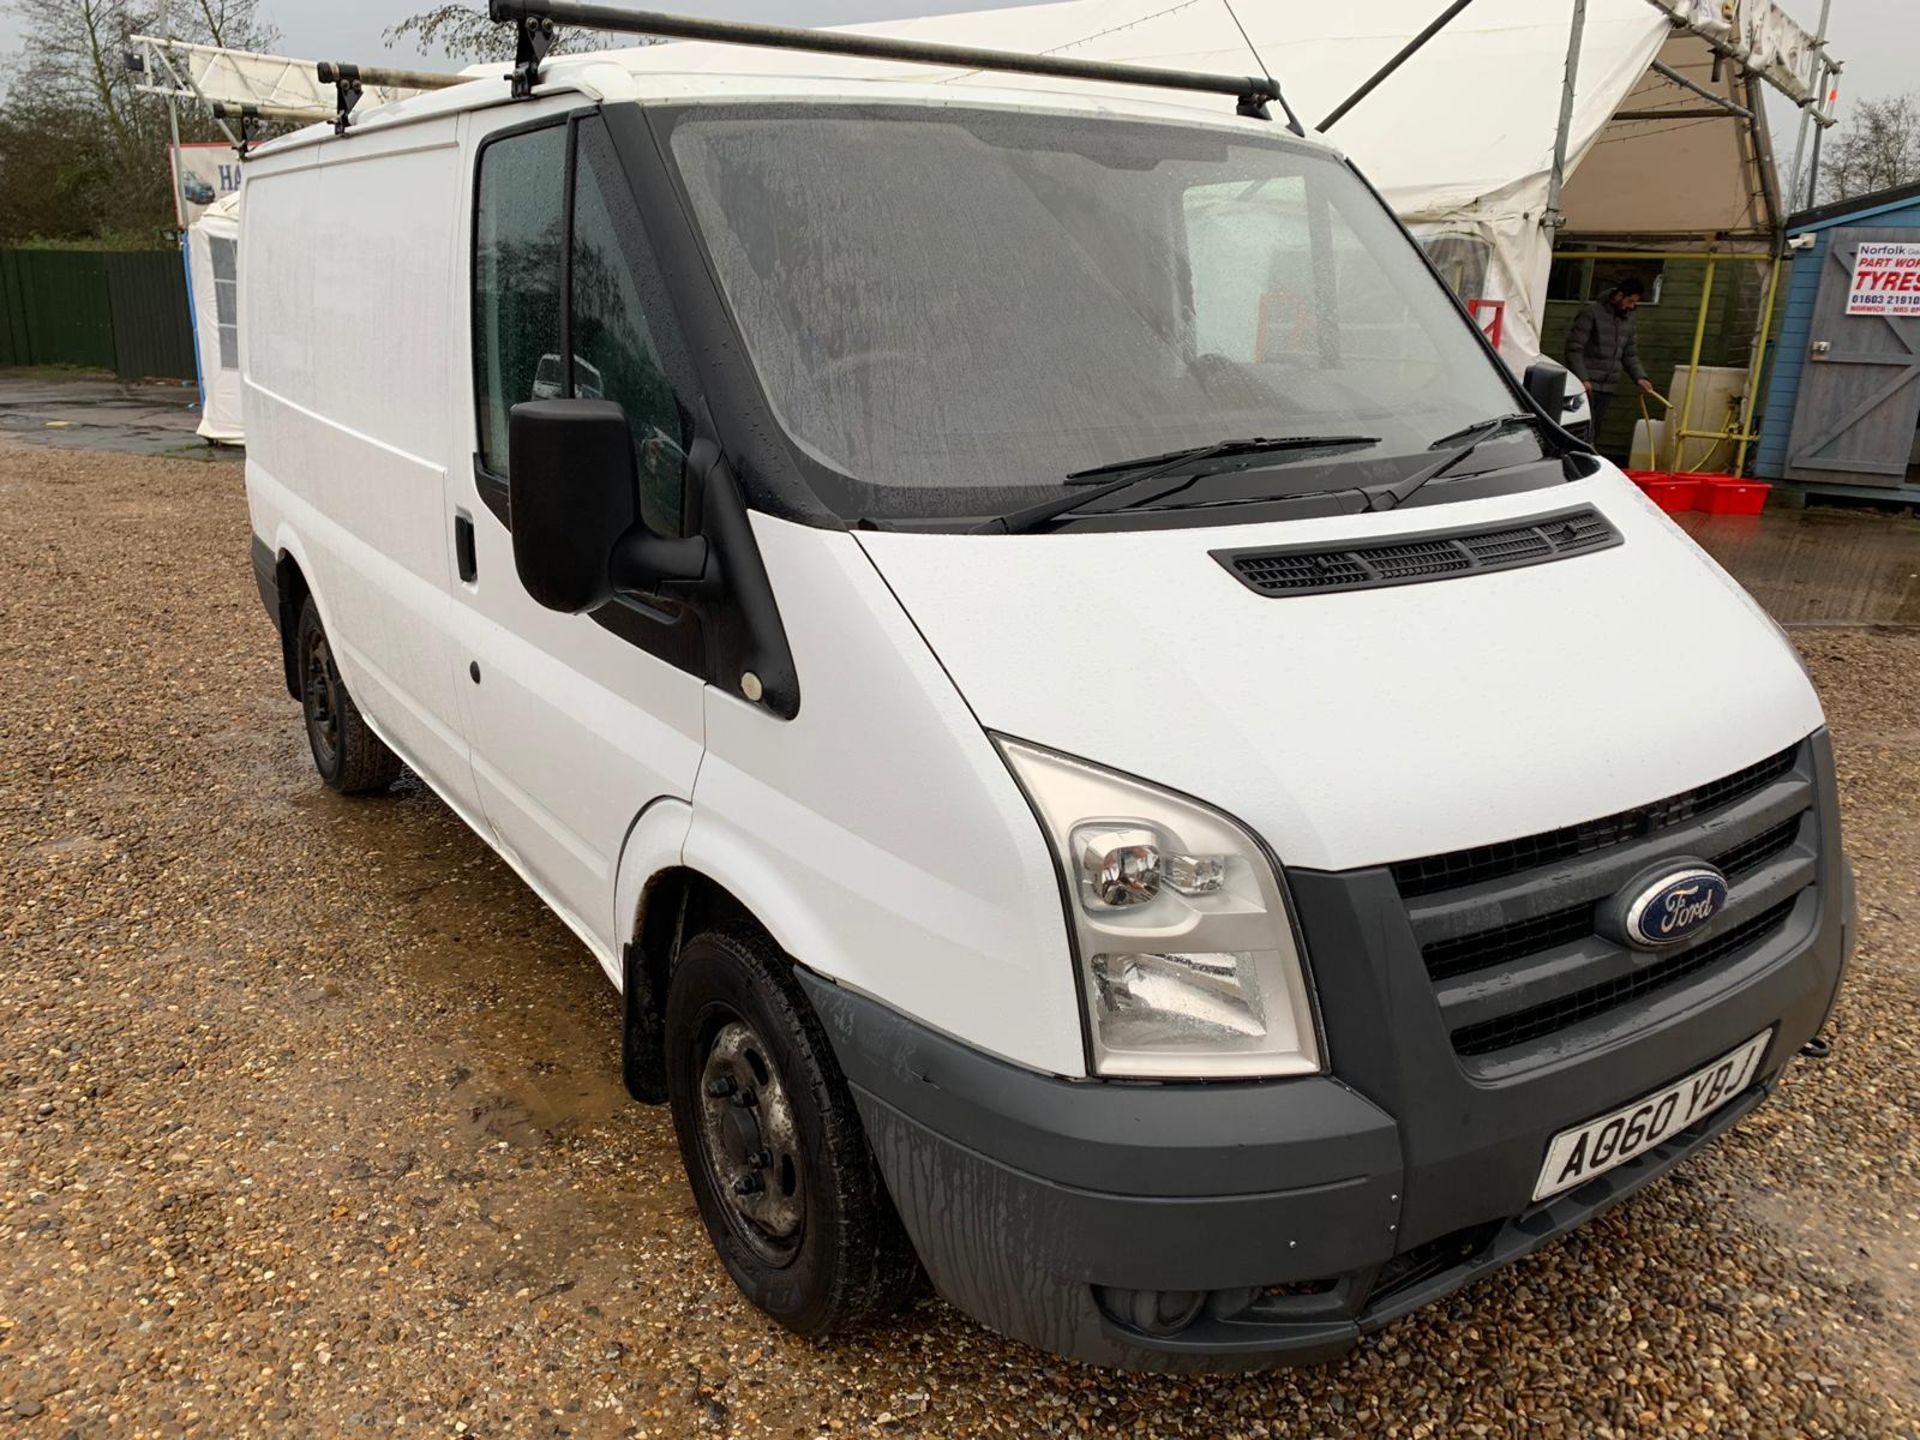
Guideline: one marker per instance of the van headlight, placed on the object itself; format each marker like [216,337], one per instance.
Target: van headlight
[1188,960]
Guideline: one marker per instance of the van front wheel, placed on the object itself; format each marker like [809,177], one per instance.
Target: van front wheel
[772,1145]
[349,756]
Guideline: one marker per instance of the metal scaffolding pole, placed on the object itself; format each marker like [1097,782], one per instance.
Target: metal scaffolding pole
[1813,164]
[1806,114]
[1667,72]
[173,112]
[1558,179]
[1406,51]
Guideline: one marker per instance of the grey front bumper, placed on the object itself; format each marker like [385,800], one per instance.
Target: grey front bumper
[1298,1214]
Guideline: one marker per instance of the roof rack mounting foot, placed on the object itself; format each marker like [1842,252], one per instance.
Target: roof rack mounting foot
[347,91]
[534,39]
[250,120]
[1253,105]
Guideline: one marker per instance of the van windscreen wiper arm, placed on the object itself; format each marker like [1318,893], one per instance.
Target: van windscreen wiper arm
[1158,466]
[1385,497]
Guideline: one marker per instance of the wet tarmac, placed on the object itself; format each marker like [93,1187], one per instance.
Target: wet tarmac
[85,410]
[1820,565]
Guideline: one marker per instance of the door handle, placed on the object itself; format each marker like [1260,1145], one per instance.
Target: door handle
[463,551]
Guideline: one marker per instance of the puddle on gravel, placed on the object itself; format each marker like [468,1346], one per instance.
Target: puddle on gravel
[469,934]
[1819,566]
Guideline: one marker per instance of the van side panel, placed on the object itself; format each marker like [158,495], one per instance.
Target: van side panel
[346,279]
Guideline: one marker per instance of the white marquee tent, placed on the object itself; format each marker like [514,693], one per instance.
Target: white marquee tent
[1459,140]
[212,245]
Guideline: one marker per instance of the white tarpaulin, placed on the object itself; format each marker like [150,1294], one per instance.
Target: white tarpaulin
[1766,36]
[213,245]
[1459,140]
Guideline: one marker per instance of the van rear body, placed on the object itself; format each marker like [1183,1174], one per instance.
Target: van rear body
[1110,748]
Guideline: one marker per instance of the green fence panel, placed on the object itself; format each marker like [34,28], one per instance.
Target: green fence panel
[152,325]
[69,318]
[14,346]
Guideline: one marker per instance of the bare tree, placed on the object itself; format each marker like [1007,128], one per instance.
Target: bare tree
[73,51]
[230,24]
[463,33]
[1877,149]
[83,154]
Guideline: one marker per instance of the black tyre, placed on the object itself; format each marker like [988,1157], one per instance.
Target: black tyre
[772,1145]
[349,756]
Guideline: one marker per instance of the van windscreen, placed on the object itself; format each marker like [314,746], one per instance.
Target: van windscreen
[950,309]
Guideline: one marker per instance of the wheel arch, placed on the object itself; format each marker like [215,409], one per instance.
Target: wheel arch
[676,903]
[293,583]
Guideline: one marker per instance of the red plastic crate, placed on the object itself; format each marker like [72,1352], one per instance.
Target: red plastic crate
[1724,495]
[1675,494]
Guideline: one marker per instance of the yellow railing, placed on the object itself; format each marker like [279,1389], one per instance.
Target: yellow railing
[1739,429]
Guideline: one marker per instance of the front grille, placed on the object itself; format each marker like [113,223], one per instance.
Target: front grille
[1488,862]
[1510,1030]
[1743,859]
[1508,933]
[1466,953]
[1436,555]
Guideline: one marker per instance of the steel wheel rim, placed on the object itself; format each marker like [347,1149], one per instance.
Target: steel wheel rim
[320,690]
[750,1143]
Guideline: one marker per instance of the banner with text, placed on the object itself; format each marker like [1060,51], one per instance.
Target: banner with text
[1886,279]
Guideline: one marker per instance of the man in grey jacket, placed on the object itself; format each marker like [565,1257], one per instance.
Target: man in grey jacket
[1601,344]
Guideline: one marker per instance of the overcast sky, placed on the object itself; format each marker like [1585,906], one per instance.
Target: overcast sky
[1877,39]
[353,27]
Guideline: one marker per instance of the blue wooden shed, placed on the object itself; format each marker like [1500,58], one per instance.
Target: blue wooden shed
[1843,402]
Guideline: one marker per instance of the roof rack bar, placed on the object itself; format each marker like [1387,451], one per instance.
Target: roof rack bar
[1252,92]
[332,72]
[280,114]
[350,82]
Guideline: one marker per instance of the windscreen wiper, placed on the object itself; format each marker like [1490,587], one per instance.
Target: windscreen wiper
[1386,497]
[1136,487]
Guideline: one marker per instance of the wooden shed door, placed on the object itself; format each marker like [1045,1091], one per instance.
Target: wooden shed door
[1859,401]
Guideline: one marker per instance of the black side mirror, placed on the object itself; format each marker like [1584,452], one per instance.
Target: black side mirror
[574,496]
[1546,383]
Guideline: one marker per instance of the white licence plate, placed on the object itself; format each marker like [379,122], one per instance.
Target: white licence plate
[1591,1149]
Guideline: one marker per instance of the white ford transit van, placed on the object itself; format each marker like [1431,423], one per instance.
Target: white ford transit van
[1115,755]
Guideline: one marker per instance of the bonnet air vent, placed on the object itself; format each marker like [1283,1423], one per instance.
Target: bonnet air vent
[1434,555]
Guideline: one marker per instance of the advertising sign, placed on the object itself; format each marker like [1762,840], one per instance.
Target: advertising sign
[1886,279]
[202,174]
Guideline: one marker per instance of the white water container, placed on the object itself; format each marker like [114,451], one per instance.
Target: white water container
[1649,449]
[1717,394]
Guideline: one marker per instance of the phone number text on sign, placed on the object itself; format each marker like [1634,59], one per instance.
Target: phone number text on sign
[1886,279]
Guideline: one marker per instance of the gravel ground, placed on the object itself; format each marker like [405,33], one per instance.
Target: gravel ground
[310,1119]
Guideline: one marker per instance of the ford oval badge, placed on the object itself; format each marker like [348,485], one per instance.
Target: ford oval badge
[1671,905]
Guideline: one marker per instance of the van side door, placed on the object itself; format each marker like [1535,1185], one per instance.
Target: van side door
[577,722]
